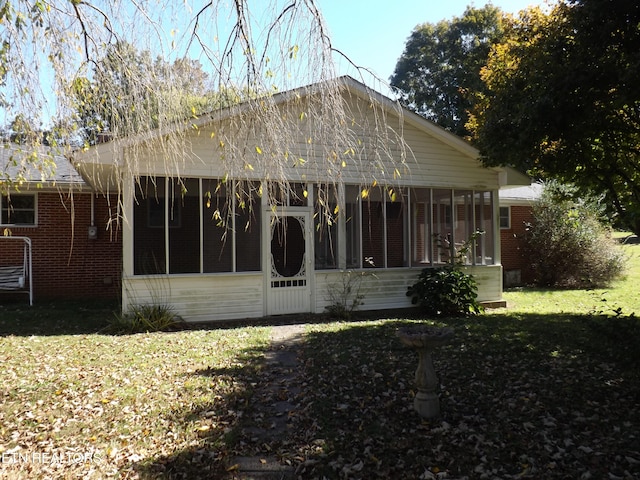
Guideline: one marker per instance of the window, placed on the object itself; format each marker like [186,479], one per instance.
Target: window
[204,233]
[505,217]
[352,226]
[246,229]
[18,209]
[443,222]
[326,217]
[483,204]
[442,237]
[383,232]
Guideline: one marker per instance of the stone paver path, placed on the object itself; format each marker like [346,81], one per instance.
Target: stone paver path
[273,405]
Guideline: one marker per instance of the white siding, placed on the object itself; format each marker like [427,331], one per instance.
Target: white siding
[428,161]
[387,289]
[200,298]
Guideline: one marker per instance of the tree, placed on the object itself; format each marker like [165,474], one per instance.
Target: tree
[567,244]
[563,100]
[439,70]
[125,77]
[60,60]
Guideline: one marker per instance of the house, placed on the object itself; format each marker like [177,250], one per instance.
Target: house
[515,214]
[215,241]
[55,212]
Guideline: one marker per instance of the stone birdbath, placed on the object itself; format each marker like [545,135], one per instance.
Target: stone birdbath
[425,339]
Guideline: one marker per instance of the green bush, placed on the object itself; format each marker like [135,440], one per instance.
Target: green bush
[146,318]
[567,243]
[445,291]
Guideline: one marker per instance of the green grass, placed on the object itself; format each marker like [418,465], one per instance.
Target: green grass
[547,388]
[623,295]
[122,402]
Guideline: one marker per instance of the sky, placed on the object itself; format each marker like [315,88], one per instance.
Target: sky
[373,33]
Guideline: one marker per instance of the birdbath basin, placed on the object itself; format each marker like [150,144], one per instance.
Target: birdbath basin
[425,339]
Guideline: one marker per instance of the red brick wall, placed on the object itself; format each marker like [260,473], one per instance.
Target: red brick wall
[512,242]
[66,263]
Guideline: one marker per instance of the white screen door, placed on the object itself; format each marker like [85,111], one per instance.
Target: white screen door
[288,289]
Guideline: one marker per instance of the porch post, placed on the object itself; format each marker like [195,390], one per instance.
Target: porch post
[342,227]
[127,185]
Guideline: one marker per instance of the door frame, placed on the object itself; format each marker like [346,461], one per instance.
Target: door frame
[305,295]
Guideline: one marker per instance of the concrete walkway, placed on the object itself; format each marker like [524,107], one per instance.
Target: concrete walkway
[273,403]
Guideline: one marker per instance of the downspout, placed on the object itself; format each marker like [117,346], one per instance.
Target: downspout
[93,209]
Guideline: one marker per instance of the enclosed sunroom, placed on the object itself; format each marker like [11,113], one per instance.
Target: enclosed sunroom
[218,247]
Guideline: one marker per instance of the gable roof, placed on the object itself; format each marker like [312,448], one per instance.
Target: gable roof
[110,153]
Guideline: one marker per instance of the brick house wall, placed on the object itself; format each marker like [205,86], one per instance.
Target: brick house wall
[66,263]
[512,243]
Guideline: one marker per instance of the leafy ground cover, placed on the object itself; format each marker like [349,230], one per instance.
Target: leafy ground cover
[88,405]
[549,388]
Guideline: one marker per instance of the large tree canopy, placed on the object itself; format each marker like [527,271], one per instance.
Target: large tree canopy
[438,75]
[128,67]
[563,100]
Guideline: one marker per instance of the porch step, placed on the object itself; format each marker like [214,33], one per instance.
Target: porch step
[495,304]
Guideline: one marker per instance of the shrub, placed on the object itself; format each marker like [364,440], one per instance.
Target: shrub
[445,291]
[146,318]
[567,243]
[346,295]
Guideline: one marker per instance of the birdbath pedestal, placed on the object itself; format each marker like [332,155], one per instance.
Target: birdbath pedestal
[424,340]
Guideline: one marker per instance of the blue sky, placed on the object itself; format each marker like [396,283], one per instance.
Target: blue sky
[373,33]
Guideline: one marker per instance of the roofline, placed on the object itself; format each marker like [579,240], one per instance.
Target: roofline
[353,86]
[508,175]
[411,117]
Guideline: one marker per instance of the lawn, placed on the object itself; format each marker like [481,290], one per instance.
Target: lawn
[548,388]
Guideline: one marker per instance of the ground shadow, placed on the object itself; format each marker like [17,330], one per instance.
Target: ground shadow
[56,317]
[540,396]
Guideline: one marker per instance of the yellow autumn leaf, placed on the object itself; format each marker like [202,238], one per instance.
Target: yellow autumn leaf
[364,193]
[259,150]
[336,210]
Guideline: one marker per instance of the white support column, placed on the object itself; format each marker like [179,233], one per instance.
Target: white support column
[128,194]
[342,227]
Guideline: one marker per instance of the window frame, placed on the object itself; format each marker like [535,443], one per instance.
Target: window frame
[4,210]
[508,217]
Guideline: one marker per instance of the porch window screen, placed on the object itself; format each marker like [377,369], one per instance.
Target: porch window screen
[383,230]
[443,223]
[148,227]
[217,218]
[326,218]
[203,232]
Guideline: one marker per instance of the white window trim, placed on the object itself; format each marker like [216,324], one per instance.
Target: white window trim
[35,212]
[508,207]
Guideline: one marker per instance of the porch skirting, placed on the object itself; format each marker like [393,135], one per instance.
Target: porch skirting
[220,297]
